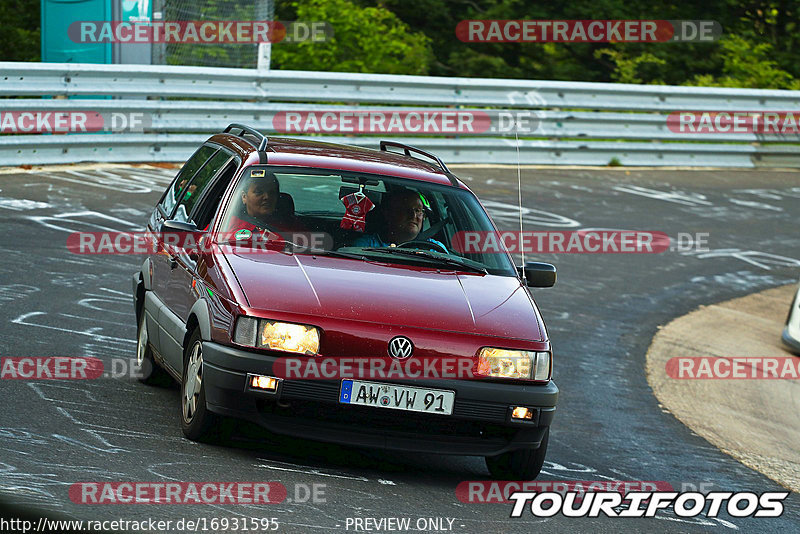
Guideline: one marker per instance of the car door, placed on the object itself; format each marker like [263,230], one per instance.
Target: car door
[182,264]
[160,261]
[201,213]
[182,261]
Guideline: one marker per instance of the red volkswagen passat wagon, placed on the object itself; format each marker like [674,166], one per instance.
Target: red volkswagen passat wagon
[291,255]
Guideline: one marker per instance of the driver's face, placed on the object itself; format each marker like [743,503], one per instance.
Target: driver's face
[405,218]
[261,198]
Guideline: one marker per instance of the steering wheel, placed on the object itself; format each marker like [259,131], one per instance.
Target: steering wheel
[419,243]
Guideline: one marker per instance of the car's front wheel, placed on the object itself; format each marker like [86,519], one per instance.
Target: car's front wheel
[522,464]
[197,422]
[146,369]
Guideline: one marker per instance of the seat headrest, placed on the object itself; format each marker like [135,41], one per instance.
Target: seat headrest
[285,205]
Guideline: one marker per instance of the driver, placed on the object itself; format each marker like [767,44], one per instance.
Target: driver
[403,214]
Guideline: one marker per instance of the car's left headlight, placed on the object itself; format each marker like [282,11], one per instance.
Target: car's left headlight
[276,335]
[504,363]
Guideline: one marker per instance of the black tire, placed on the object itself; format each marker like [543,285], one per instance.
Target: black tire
[522,464]
[144,367]
[197,422]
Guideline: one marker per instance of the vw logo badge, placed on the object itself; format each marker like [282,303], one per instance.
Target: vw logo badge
[400,348]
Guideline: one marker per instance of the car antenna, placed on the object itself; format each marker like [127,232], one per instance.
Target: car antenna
[519,198]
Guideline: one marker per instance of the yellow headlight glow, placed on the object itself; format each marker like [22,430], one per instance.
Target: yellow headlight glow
[521,412]
[289,337]
[268,383]
[502,363]
[505,363]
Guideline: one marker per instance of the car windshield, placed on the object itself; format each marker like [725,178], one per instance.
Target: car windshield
[360,216]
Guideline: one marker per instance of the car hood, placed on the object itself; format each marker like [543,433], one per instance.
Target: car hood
[394,294]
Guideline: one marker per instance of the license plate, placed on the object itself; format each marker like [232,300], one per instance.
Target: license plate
[396,397]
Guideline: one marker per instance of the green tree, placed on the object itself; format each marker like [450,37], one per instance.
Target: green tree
[757,22]
[629,69]
[366,39]
[748,65]
[20,37]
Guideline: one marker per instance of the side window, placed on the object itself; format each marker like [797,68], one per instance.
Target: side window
[209,205]
[176,189]
[199,184]
[439,211]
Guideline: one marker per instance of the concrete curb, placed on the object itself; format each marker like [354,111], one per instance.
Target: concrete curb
[755,421]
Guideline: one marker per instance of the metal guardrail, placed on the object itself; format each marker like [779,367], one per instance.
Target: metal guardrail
[578,123]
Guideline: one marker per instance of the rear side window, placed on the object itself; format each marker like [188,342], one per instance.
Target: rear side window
[199,184]
[184,176]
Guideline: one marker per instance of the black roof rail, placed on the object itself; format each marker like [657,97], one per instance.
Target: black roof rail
[244,129]
[263,140]
[408,149]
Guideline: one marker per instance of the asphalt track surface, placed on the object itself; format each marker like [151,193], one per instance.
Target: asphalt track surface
[601,316]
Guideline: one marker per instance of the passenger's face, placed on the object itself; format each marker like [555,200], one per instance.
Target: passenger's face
[405,218]
[261,198]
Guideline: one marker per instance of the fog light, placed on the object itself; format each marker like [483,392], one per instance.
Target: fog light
[521,412]
[263,383]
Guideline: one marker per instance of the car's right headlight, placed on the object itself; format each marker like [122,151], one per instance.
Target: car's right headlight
[505,363]
[277,335]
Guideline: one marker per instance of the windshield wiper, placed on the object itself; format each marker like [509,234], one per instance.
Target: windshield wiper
[417,253]
[334,253]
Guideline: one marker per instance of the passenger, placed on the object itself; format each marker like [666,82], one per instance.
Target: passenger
[259,206]
[403,213]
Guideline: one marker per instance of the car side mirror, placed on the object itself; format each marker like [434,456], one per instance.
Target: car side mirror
[538,274]
[178,226]
[175,233]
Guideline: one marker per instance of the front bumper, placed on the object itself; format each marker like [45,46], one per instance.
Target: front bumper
[479,425]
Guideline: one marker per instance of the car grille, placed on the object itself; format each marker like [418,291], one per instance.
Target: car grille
[368,419]
[480,410]
[319,391]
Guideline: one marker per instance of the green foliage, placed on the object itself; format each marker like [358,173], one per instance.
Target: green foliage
[614,162]
[222,55]
[627,68]
[366,39]
[749,65]
[759,48]
[20,38]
